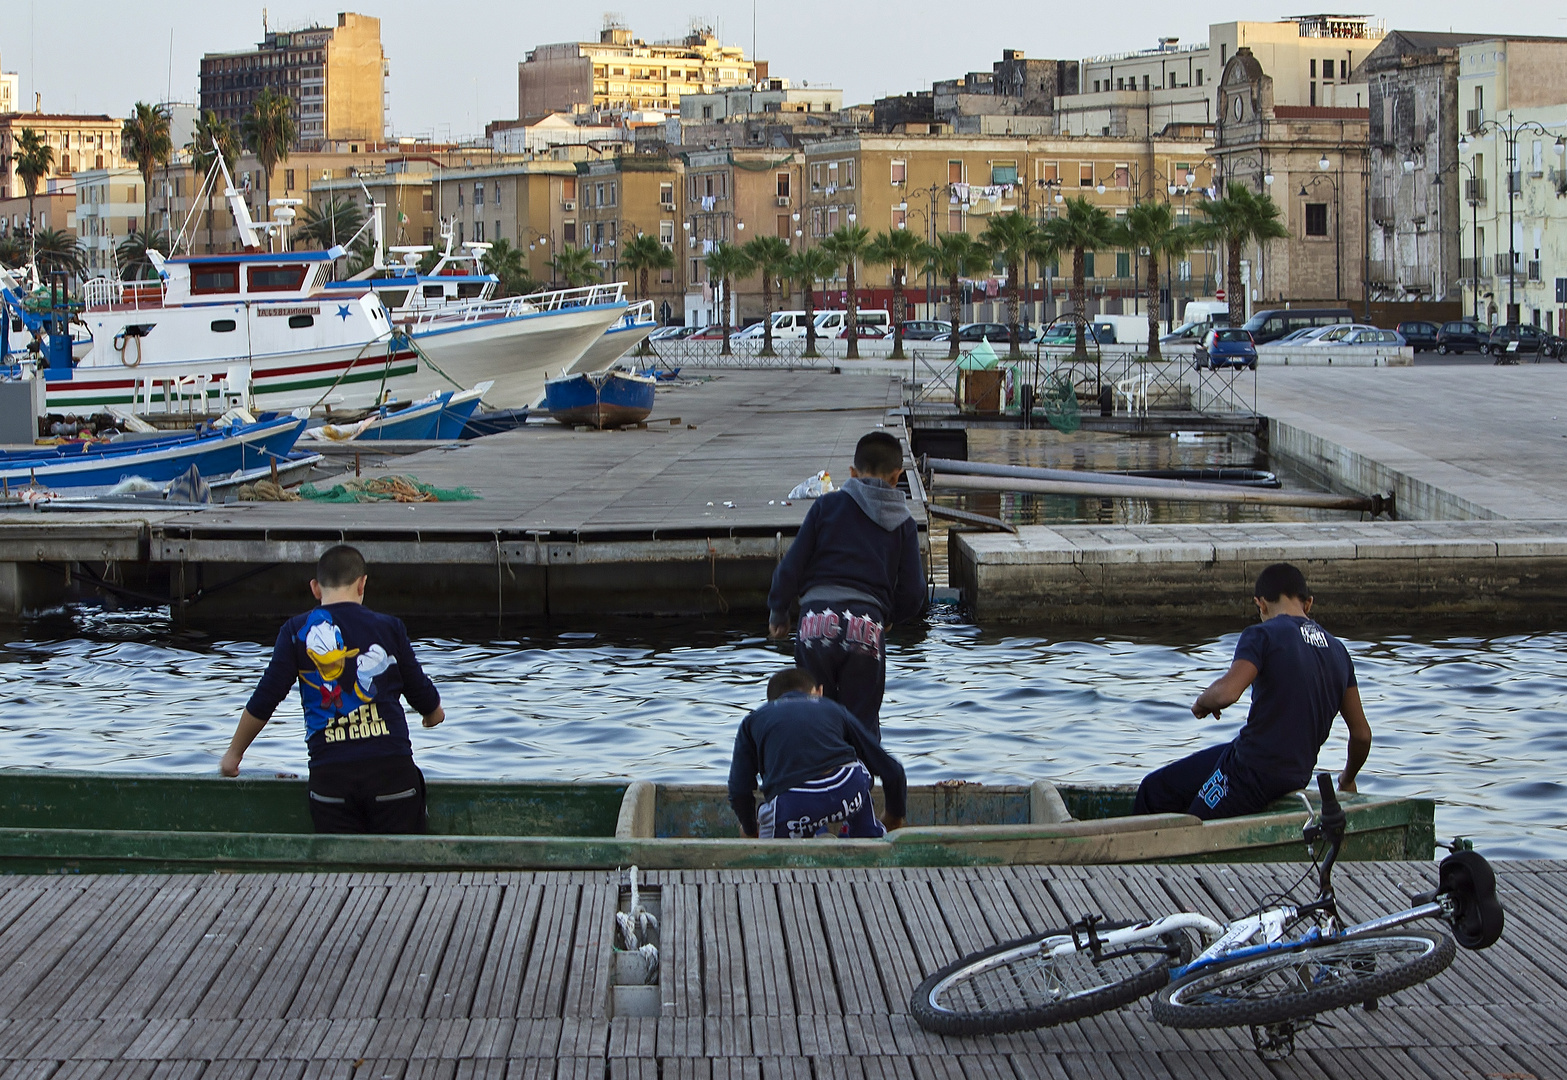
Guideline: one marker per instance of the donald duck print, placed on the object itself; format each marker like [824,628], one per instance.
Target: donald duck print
[338,689]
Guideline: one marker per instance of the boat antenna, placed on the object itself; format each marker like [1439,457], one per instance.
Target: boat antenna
[195,206]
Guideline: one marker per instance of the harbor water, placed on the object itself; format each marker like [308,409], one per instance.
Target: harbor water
[1477,723]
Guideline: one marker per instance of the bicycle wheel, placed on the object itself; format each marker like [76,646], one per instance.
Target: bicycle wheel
[1304,981]
[1018,985]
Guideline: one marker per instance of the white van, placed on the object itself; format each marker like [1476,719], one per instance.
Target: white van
[1125,329]
[872,323]
[786,324]
[1200,311]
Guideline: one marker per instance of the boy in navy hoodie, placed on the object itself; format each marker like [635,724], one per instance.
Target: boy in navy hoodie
[351,664]
[1301,677]
[816,761]
[855,569]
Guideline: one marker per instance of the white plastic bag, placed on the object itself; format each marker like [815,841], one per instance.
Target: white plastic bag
[813,487]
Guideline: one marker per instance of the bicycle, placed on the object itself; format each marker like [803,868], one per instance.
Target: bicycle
[1274,970]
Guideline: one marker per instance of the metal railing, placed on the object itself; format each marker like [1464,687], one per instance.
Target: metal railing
[1534,269]
[513,306]
[1473,119]
[1474,269]
[103,292]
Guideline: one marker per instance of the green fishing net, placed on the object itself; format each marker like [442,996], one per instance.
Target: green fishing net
[1059,401]
[404,489]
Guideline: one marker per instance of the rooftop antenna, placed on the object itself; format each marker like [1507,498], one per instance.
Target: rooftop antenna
[263,24]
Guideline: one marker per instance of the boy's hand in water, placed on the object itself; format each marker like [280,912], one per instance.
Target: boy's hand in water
[777,631]
[229,764]
[436,717]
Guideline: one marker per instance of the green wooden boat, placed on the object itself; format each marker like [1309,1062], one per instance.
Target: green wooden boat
[100,822]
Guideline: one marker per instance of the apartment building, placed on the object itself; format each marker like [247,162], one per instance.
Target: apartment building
[773,97]
[734,195]
[335,76]
[530,204]
[1512,93]
[1312,160]
[622,197]
[950,183]
[406,190]
[10,91]
[54,207]
[78,141]
[1311,59]
[108,209]
[625,73]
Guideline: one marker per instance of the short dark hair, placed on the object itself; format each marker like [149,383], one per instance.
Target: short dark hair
[790,681]
[339,567]
[1282,579]
[878,454]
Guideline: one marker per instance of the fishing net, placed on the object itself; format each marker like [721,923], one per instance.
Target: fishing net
[403,489]
[1060,404]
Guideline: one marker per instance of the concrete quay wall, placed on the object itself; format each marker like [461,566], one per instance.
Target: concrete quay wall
[1360,571]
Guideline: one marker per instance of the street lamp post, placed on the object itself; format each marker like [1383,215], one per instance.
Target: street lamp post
[1338,225]
[1509,133]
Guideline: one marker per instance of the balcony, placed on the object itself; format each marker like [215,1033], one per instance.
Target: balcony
[1474,269]
[1382,210]
[1383,272]
[1473,119]
[1474,190]
[1505,267]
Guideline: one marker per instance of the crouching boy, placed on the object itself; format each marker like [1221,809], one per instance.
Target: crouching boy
[351,664]
[815,760]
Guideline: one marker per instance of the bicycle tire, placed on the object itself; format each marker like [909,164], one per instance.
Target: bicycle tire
[1003,1015]
[1287,993]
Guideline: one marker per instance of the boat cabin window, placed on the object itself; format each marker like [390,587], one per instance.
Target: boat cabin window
[276,278]
[434,292]
[223,326]
[214,278]
[468,289]
[299,322]
[393,298]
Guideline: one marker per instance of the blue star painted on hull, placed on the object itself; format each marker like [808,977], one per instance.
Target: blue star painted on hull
[342,312]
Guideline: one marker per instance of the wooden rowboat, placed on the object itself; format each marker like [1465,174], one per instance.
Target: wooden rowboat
[100,822]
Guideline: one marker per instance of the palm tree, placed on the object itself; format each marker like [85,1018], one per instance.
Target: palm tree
[56,249]
[897,250]
[848,245]
[507,263]
[725,263]
[132,254]
[1011,237]
[214,136]
[574,266]
[1149,229]
[1237,219]
[770,256]
[269,132]
[955,256]
[1083,228]
[34,158]
[145,140]
[646,253]
[11,253]
[808,267]
[334,222]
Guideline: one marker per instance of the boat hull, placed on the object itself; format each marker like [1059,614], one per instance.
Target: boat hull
[253,447]
[52,821]
[605,400]
[616,342]
[517,354]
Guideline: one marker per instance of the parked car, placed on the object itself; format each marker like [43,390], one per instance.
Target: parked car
[1386,339]
[830,323]
[924,329]
[1301,336]
[1269,326]
[1462,336]
[1531,341]
[1419,335]
[664,333]
[1186,333]
[1333,335]
[1227,347]
[995,333]
[1065,334]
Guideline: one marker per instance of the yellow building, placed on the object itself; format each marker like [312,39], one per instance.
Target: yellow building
[335,75]
[625,73]
[529,204]
[623,197]
[79,142]
[735,195]
[944,183]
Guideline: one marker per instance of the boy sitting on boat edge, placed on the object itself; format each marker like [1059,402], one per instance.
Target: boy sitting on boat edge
[1301,678]
[816,761]
[352,665]
[855,569]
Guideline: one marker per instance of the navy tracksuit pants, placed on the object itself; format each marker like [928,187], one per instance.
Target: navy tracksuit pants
[842,646]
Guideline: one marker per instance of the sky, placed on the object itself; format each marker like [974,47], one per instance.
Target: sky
[454,65]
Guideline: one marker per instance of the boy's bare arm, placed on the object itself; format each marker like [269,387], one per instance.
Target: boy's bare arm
[245,734]
[1226,690]
[1359,738]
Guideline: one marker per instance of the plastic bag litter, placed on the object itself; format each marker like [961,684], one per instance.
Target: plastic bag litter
[131,485]
[813,487]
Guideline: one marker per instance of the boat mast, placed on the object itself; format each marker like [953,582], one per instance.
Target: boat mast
[242,219]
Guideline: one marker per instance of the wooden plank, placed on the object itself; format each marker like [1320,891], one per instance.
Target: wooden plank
[586,985]
[544,975]
[411,982]
[456,978]
[680,948]
[497,990]
[853,963]
[233,970]
[33,946]
[378,957]
[723,955]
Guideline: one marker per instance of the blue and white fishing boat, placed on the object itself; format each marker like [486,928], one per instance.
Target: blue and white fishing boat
[603,399]
[628,331]
[418,420]
[458,411]
[84,467]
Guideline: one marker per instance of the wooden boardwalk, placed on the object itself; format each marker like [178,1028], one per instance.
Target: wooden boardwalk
[766,975]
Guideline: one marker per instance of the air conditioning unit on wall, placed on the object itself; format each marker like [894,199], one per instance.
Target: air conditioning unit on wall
[568,204]
[783,200]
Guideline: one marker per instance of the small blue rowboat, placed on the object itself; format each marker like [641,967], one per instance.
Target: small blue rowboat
[604,399]
[459,409]
[224,451]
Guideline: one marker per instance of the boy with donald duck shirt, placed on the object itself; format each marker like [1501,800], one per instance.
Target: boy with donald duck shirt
[351,665]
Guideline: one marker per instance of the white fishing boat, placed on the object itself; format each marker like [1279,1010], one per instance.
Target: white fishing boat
[466,335]
[627,332]
[253,328]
